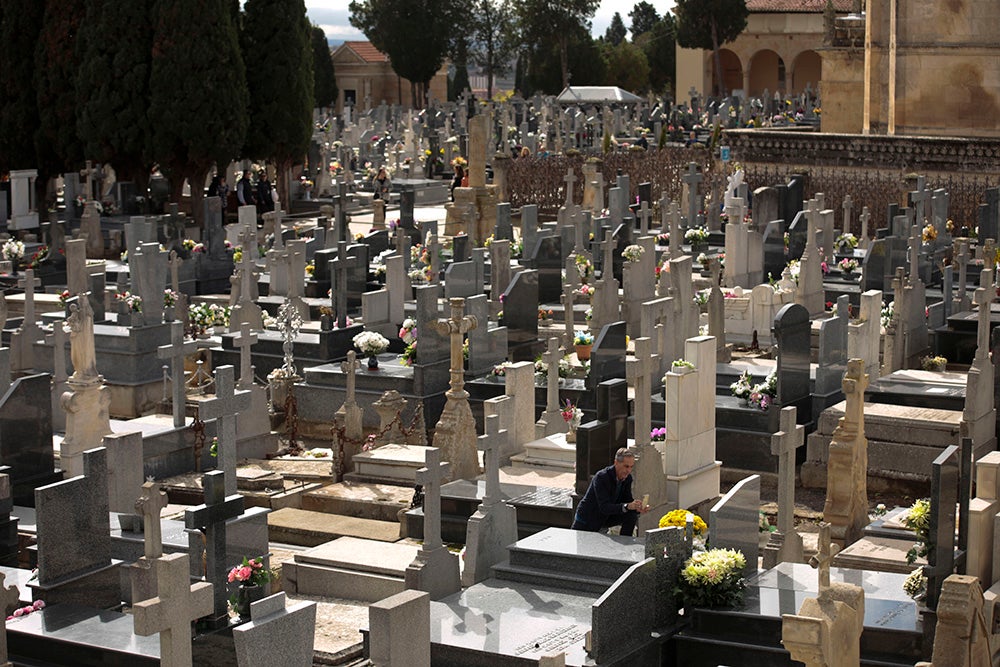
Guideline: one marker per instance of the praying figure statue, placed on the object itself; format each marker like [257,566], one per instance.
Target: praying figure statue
[80,327]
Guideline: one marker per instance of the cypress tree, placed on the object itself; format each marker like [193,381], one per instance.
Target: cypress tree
[20,24]
[112,86]
[56,141]
[277,47]
[324,78]
[198,92]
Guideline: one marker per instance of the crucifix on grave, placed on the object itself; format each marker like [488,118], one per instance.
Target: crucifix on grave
[175,352]
[339,267]
[28,282]
[645,363]
[210,518]
[824,557]
[246,309]
[848,207]
[865,217]
[913,255]
[456,327]
[918,197]
[150,505]
[435,569]
[962,257]
[551,421]
[350,411]
[245,340]
[785,545]
[170,613]
[675,231]
[403,246]
[569,179]
[224,408]
[644,217]
[567,298]
[691,179]
[983,297]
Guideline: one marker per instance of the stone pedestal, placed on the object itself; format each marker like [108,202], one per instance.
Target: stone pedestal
[87,422]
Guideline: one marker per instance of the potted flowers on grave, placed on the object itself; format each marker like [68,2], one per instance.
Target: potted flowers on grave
[371,344]
[583,341]
[763,394]
[846,242]
[680,518]
[13,251]
[764,529]
[658,435]
[916,584]
[918,519]
[742,387]
[572,416]
[584,267]
[934,364]
[633,253]
[249,577]
[713,578]
[929,233]
[681,366]
[847,266]
[697,237]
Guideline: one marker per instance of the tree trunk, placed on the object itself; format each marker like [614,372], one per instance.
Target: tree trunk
[283,184]
[720,84]
[564,60]
[196,179]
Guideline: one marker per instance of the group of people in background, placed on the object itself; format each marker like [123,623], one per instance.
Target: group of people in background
[260,194]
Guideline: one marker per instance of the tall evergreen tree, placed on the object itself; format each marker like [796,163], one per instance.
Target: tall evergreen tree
[708,24]
[644,17]
[56,142]
[494,37]
[659,46]
[277,48]
[415,34]
[112,86]
[324,78]
[586,61]
[626,66]
[460,59]
[615,34]
[20,24]
[198,92]
[545,21]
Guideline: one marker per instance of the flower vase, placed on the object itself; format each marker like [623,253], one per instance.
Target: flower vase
[245,595]
[373,363]
[583,352]
[573,424]
[168,313]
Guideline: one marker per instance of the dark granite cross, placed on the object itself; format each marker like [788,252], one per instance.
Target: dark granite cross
[245,339]
[430,477]
[150,504]
[170,613]
[224,407]
[210,517]
[175,352]
[339,267]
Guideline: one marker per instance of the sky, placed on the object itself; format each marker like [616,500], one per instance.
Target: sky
[332,16]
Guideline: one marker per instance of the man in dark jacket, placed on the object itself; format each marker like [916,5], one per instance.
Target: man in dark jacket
[608,501]
[244,190]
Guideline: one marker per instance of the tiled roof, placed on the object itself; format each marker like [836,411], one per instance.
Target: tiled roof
[367,52]
[803,6]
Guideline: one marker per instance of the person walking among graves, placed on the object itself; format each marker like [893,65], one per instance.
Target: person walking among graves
[244,190]
[265,198]
[457,181]
[608,501]
[219,188]
[381,184]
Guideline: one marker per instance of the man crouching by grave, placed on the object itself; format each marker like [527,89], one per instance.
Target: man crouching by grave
[608,501]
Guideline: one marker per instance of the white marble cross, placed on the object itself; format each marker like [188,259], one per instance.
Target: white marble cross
[848,210]
[350,368]
[150,504]
[790,437]
[29,282]
[692,178]
[569,179]
[430,477]
[551,357]
[489,444]
[175,352]
[226,405]
[646,363]
[170,613]
[865,217]
[644,216]
[245,339]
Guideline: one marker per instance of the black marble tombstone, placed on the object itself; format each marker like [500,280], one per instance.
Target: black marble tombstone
[520,316]
[791,331]
[598,440]
[950,484]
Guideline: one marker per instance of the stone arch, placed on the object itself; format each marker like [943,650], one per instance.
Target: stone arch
[807,68]
[766,70]
[732,70]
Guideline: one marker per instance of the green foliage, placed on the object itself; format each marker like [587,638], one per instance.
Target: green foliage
[696,18]
[277,49]
[56,142]
[460,60]
[494,37]
[415,34]
[627,66]
[324,79]
[198,91]
[545,22]
[615,34]
[659,46]
[585,61]
[20,24]
[644,17]
[112,86]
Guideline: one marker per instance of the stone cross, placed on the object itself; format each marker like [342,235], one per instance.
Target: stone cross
[402,246]
[551,358]
[174,264]
[790,437]
[150,504]
[224,407]
[489,444]
[692,178]
[913,256]
[340,266]
[962,259]
[59,350]
[349,410]
[823,558]
[664,205]
[567,298]
[569,179]
[675,231]
[865,217]
[29,282]
[430,477]
[245,339]
[9,598]
[983,298]
[644,216]
[349,368]
[919,196]
[646,363]
[211,517]
[989,255]
[848,210]
[175,352]
[457,326]
[170,613]
[608,247]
